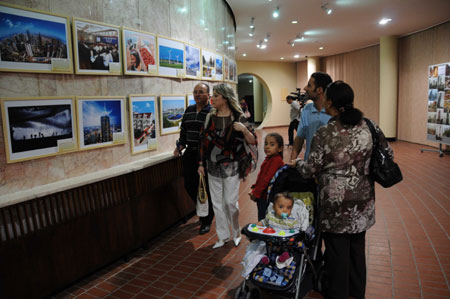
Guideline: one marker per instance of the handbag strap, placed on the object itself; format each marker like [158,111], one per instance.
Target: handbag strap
[372,132]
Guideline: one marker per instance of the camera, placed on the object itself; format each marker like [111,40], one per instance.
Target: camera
[300,97]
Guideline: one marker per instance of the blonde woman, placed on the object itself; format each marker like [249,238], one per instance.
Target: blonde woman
[224,140]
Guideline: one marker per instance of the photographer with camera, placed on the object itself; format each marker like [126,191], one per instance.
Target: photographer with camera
[295,113]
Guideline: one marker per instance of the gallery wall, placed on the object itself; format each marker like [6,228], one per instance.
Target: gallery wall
[416,53]
[360,69]
[204,23]
[279,79]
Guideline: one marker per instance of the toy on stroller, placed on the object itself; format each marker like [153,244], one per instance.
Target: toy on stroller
[279,261]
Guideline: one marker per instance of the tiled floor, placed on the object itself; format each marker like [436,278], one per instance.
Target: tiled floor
[408,250]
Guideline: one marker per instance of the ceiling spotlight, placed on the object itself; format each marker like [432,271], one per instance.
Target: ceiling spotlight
[299,38]
[294,22]
[296,56]
[244,54]
[276,13]
[282,58]
[263,46]
[292,44]
[325,8]
[320,48]
[384,21]
[266,39]
[252,25]
[252,31]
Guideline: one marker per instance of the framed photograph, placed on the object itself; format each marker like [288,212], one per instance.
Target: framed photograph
[38,127]
[143,123]
[139,52]
[193,70]
[208,65]
[219,67]
[190,100]
[226,73]
[34,41]
[97,48]
[101,121]
[172,108]
[170,58]
[232,71]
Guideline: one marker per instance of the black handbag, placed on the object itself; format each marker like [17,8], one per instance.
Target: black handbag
[383,169]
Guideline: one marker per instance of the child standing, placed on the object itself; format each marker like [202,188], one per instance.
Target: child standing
[273,148]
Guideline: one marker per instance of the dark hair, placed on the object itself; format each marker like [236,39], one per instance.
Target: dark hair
[321,79]
[279,140]
[283,194]
[290,98]
[341,96]
[138,60]
[204,84]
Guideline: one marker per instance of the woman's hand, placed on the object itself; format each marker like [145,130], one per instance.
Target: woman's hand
[238,126]
[201,170]
[293,163]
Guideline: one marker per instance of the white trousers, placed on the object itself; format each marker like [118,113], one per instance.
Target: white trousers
[224,197]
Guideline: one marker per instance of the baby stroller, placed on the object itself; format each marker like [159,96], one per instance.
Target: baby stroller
[295,279]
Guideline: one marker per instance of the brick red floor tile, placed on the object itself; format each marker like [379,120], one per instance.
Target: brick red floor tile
[408,252]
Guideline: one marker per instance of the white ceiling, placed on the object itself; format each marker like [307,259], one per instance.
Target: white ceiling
[352,25]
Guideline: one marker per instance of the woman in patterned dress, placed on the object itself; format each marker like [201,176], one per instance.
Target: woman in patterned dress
[339,159]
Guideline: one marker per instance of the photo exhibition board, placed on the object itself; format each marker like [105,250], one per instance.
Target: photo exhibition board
[438,119]
[143,123]
[139,52]
[34,41]
[38,127]
[97,48]
[172,109]
[171,62]
[193,62]
[101,121]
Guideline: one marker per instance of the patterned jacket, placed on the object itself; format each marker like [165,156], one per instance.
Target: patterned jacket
[340,158]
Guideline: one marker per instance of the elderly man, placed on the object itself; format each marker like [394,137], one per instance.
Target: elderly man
[191,124]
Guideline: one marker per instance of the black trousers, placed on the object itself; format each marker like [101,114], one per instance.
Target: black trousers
[345,263]
[262,205]
[292,126]
[191,177]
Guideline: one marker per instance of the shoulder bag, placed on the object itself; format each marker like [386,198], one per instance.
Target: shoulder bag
[383,169]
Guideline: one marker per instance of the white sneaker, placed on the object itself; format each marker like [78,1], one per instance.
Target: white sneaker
[237,241]
[219,244]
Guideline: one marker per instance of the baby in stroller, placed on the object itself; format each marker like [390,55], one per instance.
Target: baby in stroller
[277,257]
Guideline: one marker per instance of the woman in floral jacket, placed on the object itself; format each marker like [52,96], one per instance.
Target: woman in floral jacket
[339,159]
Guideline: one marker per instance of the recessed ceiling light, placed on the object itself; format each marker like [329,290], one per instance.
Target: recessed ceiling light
[384,21]
[276,13]
[282,58]
[294,22]
[296,56]
[250,34]
[263,46]
[244,54]
[320,48]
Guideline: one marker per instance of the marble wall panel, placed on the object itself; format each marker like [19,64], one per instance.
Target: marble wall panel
[156,16]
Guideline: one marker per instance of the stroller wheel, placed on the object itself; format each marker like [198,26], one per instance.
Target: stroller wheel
[241,292]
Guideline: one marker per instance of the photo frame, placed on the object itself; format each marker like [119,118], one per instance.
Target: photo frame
[219,67]
[171,113]
[143,123]
[190,100]
[101,121]
[34,41]
[232,71]
[139,52]
[193,62]
[171,57]
[226,71]
[97,48]
[208,65]
[36,127]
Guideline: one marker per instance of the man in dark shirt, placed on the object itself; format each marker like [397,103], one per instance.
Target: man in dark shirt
[191,124]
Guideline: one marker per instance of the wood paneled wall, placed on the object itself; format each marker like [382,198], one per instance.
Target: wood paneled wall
[416,53]
[360,69]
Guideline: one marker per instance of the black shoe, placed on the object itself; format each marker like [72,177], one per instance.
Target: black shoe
[204,229]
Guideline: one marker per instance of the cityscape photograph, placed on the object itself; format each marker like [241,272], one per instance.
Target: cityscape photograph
[100,120]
